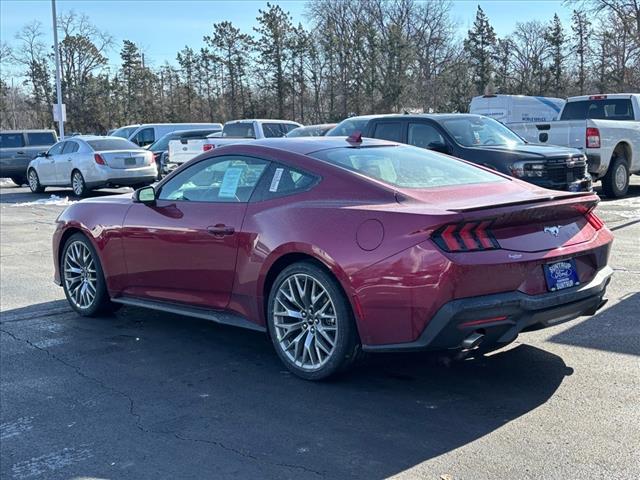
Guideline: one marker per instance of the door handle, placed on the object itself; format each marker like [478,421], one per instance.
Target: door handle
[220,230]
[20,152]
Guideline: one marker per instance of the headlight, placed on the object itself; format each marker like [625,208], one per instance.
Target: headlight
[527,169]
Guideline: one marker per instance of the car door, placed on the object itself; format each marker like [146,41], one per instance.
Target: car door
[65,161]
[47,165]
[426,135]
[183,249]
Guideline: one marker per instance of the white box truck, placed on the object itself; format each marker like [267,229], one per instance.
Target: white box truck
[509,109]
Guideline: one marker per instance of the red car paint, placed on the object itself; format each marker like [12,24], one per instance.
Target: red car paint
[375,239]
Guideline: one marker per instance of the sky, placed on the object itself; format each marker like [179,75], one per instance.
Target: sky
[163,27]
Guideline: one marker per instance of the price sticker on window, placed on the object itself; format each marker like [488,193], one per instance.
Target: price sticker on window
[230,181]
[275,181]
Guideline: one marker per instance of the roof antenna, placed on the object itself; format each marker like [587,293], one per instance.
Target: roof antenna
[355,137]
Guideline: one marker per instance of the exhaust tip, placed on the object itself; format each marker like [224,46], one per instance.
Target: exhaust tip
[472,341]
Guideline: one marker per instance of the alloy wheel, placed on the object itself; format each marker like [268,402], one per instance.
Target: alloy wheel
[33,180]
[305,321]
[77,184]
[80,275]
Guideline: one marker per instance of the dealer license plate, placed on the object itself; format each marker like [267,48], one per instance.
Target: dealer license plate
[560,275]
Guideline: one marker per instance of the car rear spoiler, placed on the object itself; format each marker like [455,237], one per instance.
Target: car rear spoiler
[549,198]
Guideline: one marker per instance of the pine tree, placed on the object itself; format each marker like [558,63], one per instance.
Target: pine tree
[480,45]
[556,40]
[581,36]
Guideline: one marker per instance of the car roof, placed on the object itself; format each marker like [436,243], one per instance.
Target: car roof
[262,120]
[307,145]
[431,116]
[29,130]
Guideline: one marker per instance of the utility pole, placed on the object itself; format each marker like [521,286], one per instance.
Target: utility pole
[58,85]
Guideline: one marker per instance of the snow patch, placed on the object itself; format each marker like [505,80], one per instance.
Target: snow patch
[52,200]
[6,182]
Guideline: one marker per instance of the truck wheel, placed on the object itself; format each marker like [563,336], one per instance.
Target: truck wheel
[19,181]
[615,183]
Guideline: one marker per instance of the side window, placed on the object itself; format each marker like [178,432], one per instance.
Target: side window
[219,179]
[57,148]
[41,138]
[388,131]
[145,137]
[287,127]
[281,180]
[70,147]
[272,130]
[424,136]
[11,140]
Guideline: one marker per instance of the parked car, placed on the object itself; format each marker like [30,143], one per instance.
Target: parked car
[160,148]
[123,132]
[333,246]
[146,134]
[606,128]
[89,162]
[18,148]
[480,140]
[509,109]
[311,130]
[235,131]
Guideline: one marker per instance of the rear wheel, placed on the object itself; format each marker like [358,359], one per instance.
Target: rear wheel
[311,323]
[77,183]
[19,180]
[34,182]
[83,278]
[615,183]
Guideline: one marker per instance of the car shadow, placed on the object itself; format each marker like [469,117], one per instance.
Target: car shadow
[24,195]
[194,380]
[634,191]
[620,322]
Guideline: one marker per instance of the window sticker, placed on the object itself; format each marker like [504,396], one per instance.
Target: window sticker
[230,181]
[276,180]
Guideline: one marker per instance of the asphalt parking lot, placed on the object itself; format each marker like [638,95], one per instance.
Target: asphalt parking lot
[148,395]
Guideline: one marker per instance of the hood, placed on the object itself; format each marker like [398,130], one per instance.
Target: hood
[532,151]
[123,198]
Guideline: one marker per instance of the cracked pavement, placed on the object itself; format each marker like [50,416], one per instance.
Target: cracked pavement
[148,395]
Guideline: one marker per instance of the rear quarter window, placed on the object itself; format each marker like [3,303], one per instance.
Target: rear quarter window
[41,138]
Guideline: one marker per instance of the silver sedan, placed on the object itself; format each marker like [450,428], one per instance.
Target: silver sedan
[89,162]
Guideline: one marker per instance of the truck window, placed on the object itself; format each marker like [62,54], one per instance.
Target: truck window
[388,131]
[145,137]
[423,135]
[11,140]
[272,130]
[603,109]
[41,138]
[241,129]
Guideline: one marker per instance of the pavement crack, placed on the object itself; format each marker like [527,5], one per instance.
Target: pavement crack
[138,419]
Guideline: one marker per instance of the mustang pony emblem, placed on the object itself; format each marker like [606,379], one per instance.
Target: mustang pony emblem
[555,231]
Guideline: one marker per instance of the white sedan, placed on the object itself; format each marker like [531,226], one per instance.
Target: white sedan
[88,162]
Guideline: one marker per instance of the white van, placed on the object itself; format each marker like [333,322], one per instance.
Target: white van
[148,133]
[517,108]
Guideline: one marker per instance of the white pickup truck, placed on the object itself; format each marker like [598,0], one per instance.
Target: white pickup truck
[235,131]
[605,127]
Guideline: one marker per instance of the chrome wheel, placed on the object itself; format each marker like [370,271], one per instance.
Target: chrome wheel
[305,321]
[33,180]
[77,183]
[80,276]
[621,177]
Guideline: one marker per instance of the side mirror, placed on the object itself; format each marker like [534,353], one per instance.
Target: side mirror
[146,195]
[42,154]
[439,147]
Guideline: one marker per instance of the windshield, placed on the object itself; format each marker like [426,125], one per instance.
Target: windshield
[406,167]
[601,109]
[478,131]
[124,132]
[348,126]
[112,144]
[240,129]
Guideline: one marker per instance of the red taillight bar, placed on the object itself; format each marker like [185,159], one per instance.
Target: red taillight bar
[594,220]
[98,159]
[466,237]
[592,138]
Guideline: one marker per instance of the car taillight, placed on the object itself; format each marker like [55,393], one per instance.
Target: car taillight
[466,237]
[99,160]
[598,97]
[594,221]
[593,137]
[207,146]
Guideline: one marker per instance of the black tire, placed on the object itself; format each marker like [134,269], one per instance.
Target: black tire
[78,184]
[347,345]
[19,181]
[101,302]
[34,181]
[611,182]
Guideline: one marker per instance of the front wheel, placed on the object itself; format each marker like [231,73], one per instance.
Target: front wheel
[311,323]
[77,183]
[83,279]
[34,182]
[615,183]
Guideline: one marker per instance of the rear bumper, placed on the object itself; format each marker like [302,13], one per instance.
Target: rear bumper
[505,315]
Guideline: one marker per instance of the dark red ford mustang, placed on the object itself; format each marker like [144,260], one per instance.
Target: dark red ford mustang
[334,246]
